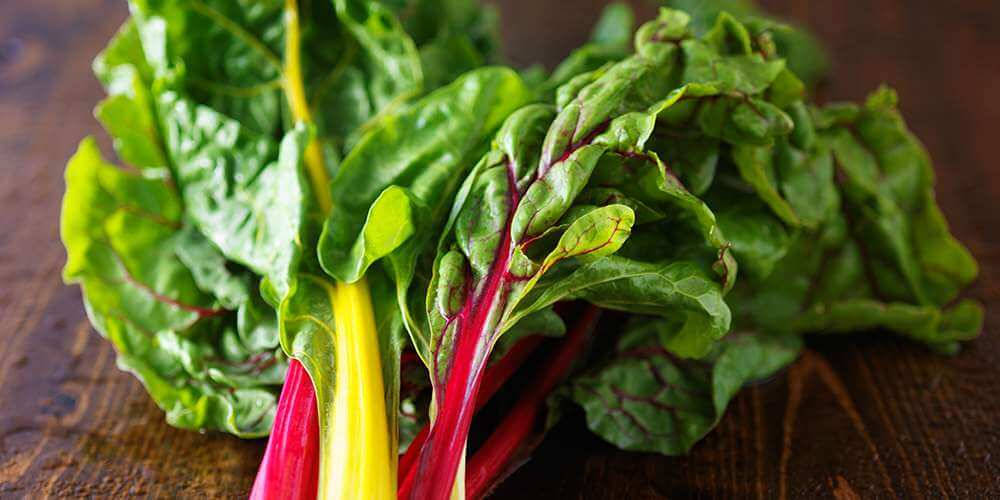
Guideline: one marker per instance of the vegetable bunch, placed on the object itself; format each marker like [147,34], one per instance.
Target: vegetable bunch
[326,195]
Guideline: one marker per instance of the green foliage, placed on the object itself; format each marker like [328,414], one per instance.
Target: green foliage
[209,363]
[643,398]
[805,56]
[184,263]
[422,153]
[640,176]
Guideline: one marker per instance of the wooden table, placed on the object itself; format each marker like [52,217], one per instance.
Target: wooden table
[852,418]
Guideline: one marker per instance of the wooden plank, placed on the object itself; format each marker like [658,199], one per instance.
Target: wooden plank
[862,418]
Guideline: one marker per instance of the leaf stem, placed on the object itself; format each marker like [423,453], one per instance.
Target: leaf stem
[290,464]
[494,378]
[493,460]
[358,454]
[296,92]
[357,440]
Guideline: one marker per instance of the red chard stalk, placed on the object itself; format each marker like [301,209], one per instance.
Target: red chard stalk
[494,460]
[290,467]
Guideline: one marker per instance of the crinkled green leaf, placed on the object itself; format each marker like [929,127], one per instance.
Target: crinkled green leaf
[679,290]
[424,148]
[356,61]
[510,212]
[127,113]
[121,232]
[756,168]
[759,239]
[209,269]
[240,77]
[807,182]
[646,399]
[804,54]
[887,181]
[244,191]
[941,329]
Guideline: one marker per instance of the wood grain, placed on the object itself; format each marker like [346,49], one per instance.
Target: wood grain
[861,418]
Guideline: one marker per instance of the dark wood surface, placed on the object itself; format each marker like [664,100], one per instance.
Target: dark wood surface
[854,418]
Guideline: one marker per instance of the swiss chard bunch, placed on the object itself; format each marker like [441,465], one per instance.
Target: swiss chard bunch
[310,181]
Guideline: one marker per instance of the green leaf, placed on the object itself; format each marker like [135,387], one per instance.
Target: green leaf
[242,190]
[202,365]
[743,73]
[598,233]
[889,201]
[679,290]
[357,61]
[759,240]
[240,77]
[755,167]
[128,113]
[425,148]
[807,182]
[941,329]
[209,269]
[803,52]
[645,399]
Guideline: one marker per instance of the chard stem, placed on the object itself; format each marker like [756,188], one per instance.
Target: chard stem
[357,454]
[361,462]
[493,460]
[494,378]
[295,90]
[290,465]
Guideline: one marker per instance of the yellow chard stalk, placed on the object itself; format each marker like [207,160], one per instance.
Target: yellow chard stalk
[356,461]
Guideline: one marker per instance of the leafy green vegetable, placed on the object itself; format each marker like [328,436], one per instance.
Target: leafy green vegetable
[881,255]
[206,365]
[805,56]
[516,242]
[292,164]
[646,399]
[421,155]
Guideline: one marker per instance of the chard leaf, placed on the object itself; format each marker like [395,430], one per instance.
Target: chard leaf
[807,182]
[646,399]
[887,181]
[241,77]
[203,365]
[681,290]
[757,170]
[209,269]
[745,73]
[759,239]
[356,61]
[127,113]
[940,329]
[244,191]
[507,230]
[423,149]
[803,52]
